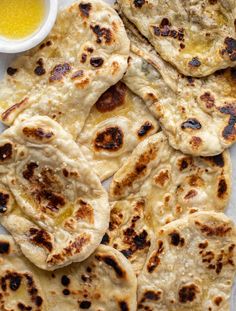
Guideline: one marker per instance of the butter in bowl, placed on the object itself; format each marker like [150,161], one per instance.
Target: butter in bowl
[25,23]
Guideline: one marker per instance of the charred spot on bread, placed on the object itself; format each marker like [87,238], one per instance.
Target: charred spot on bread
[11,71]
[102,34]
[110,139]
[216,230]
[123,306]
[145,129]
[28,173]
[155,260]
[59,71]
[4,199]
[38,133]
[175,239]
[229,131]
[77,74]
[96,61]
[191,123]
[230,48]
[85,8]
[208,99]
[4,247]
[111,262]
[188,293]
[139,3]
[222,188]
[217,160]
[112,98]
[105,239]
[14,108]
[85,304]
[151,295]
[5,152]
[65,281]
[164,30]
[195,62]
[39,70]
[41,238]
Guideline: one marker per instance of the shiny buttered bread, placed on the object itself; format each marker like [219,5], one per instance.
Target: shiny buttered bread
[51,200]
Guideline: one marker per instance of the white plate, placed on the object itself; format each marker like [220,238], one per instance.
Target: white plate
[231,211]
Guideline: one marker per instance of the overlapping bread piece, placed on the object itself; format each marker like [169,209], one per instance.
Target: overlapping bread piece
[117,123]
[51,201]
[157,185]
[104,281]
[197,37]
[197,115]
[84,55]
[190,266]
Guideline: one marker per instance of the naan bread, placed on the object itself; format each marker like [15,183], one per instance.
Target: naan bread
[197,37]
[130,230]
[50,200]
[105,281]
[20,286]
[191,265]
[116,124]
[84,55]
[197,115]
[157,185]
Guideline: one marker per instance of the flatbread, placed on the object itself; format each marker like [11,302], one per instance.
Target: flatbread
[197,37]
[197,115]
[116,124]
[130,230]
[105,281]
[51,200]
[191,265]
[157,185]
[63,77]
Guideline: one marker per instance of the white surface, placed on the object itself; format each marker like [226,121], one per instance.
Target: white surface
[231,211]
[13,46]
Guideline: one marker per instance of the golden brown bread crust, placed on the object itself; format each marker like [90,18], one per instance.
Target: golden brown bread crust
[79,286]
[116,124]
[197,37]
[65,75]
[50,200]
[157,185]
[191,265]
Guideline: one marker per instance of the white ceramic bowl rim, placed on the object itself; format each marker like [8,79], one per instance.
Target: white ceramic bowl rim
[16,46]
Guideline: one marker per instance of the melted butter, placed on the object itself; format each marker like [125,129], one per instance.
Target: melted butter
[65,214]
[197,44]
[29,200]
[97,117]
[20,18]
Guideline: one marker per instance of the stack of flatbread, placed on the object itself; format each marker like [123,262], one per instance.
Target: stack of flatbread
[143,93]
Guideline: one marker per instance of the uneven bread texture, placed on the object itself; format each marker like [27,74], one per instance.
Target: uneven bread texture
[197,115]
[51,201]
[85,53]
[190,266]
[158,185]
[116,124]
[104,281]
[197,37]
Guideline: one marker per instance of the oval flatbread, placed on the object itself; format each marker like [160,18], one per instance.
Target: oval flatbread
[64,76]
[190,266]
[51,201]
[197,115]
[157,185]
[116,124]
[197,37]
[104,281]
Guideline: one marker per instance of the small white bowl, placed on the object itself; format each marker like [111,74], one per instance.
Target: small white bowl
[20,45]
